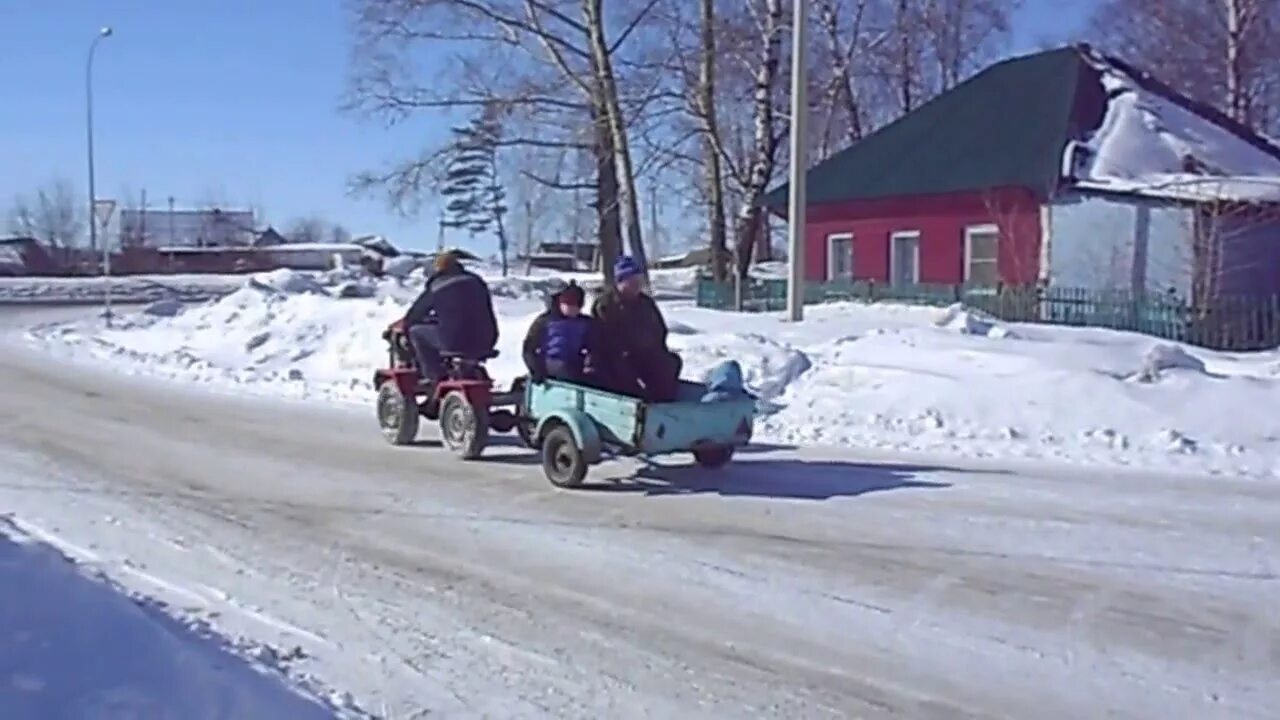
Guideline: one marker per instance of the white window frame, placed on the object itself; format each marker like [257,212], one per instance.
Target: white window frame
[969,232]
[831,243]
[894,237]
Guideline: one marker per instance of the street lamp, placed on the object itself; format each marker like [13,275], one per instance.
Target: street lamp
[796,197]
[93,221]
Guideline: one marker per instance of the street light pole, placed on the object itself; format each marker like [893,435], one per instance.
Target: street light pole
[93,198]
[799,132]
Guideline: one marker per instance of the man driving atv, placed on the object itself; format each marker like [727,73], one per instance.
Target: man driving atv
[453,316]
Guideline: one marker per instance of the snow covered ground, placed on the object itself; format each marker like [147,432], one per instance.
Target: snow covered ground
[132,288]
[798,583]
[889,377]
[76,646]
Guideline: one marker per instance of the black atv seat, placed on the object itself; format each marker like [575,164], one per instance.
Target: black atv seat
[469,358]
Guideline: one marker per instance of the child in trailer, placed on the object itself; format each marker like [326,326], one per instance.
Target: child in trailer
[562,342]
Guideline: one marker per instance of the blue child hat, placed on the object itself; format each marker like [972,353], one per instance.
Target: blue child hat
[625,268]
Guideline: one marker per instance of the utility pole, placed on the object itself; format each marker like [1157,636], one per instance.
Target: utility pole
[797,196]
[88,103]
[173,233]
[655,244]
[142,220]
[577,227]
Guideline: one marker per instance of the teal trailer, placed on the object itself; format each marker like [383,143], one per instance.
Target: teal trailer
[575,426]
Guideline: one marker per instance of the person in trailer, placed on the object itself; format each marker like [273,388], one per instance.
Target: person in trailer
[562,341]
[634,334]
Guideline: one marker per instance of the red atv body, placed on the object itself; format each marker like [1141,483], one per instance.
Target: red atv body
[463,400]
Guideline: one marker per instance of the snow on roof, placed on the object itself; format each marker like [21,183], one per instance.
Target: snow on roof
[316,247]
[1150,144]
[378,244]
[1193,188]
[184,250]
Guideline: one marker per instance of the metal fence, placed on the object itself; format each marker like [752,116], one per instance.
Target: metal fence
[1226,323]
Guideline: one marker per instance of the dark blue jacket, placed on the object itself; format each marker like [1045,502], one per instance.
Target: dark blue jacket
[565,339]
[555,338]
[459,304]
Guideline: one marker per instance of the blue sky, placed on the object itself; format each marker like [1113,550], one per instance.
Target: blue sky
[234,101]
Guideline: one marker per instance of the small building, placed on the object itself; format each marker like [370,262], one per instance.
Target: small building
[314,256]
[698,258]
[563,256]
[209,227]
[25,256]
[1061,168]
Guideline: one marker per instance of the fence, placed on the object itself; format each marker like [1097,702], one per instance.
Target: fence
[1226,323]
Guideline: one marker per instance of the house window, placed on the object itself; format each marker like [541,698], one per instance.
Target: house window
[904,258]
[982,255]
[840,257]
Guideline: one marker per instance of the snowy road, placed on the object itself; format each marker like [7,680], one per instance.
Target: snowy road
[797,584]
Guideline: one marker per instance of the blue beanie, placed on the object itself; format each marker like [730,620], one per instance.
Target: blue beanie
[625,268]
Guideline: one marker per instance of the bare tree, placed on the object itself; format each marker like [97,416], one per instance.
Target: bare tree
[705,105]
[550,67]
[53,216]
[765,137]
[1220,52]
[308,230]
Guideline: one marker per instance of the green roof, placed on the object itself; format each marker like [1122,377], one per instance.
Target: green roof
[1007,126]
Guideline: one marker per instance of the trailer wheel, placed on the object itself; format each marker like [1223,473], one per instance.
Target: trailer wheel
[714,457]
[562,459]
[464,428]
[397,414]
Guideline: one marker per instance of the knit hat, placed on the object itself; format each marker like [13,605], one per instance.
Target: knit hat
[573,294]
[625,268]
[447,261]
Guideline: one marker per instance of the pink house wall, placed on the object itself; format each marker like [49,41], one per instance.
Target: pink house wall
[941,221]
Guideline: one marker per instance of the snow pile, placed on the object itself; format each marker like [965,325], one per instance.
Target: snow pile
[287,282]
[1145,141]
[971,322]
[884,376]
[74,646]
[131,288]
[1163,357]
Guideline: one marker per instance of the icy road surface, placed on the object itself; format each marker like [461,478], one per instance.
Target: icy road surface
[797,584]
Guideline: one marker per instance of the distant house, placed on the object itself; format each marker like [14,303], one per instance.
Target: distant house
[269,238]
[694,258]
[209,227]
[1062,168]
[25,256]
[563,256]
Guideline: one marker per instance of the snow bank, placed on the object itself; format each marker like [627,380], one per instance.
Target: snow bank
[74,646]
[132,288]
[877,376]
[971,322]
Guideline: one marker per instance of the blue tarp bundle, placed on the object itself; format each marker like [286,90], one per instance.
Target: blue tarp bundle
[725,382]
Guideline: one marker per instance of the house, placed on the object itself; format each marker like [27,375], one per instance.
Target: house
[1062,168]
[563,256]
[700,257]
[269,238]
[25,256]
[211,227]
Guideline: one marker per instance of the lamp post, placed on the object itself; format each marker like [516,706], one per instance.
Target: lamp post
[93,220]
[796,197]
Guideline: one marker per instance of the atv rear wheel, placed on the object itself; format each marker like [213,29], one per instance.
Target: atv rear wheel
[464,428]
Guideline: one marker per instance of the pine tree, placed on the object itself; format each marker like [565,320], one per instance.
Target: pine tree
[475,198]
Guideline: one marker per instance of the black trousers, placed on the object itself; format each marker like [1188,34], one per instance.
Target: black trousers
[425,341]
